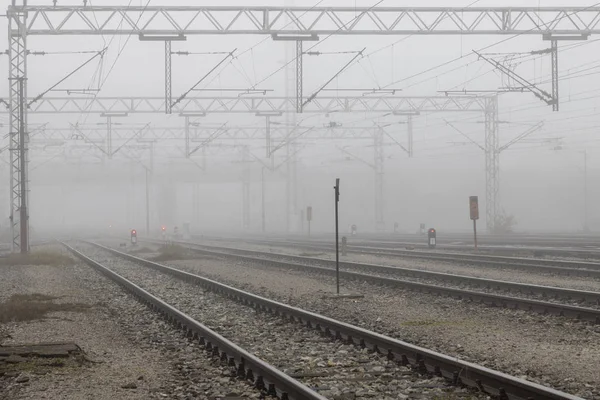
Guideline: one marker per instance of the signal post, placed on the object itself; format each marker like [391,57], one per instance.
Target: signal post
[474,211]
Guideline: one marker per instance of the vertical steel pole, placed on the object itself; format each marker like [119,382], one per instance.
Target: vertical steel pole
[379,178]
[268,136]
[109,137]
[168,77]
[246,189]
[475,232]
[147,204]
[336,188]
[555,81]
[187,136]
[409,124]
[299,77]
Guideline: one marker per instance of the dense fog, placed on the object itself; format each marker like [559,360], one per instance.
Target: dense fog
[75,184]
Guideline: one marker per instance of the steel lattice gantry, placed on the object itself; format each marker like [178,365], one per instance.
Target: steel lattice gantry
[399,105]
[26,20]
[257,104]
[220,20]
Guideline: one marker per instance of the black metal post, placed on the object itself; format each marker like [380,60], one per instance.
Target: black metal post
[147,204]
[337,249]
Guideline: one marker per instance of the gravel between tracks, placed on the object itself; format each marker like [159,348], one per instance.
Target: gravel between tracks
[472,286]
[507,274]
[125,344]
[549,350]
[336,370]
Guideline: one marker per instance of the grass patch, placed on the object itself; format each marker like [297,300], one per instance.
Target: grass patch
[27,307]
[43,365]
[51,258]
[171,252]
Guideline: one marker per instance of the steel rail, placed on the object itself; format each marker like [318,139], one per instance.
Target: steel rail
[544,291]
[263,375]
[459,372]
[569,268]
[554,250]
[398,247]
[537,251]
[494,300]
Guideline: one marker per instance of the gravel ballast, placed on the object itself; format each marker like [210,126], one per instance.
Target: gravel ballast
[129,351]
[334,369]
[549,350]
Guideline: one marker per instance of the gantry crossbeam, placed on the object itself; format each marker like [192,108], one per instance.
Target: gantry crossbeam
[254,104]
[58,136]
[215,20]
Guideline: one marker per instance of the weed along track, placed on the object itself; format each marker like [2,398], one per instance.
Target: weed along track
[270,330]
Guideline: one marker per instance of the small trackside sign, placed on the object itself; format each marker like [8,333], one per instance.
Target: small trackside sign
[474,207]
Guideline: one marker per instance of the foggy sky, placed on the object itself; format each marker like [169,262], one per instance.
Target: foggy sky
[541,186]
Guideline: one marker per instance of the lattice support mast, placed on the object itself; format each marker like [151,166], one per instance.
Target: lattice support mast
[409,126]
[554,57]
[18,136]
[299,77]
[168,78]
[492,162]
[379,178]
[187,136]
[246,189]
[109,137]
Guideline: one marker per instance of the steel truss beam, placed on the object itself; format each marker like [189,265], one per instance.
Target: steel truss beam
[254,104]
[54,136]
[232,20]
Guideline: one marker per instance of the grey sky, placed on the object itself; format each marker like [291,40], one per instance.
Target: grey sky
[441,154]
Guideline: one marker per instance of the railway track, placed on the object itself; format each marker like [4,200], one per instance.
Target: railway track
[559,267]
[264,376]
[455,371]
[382,275]
[553,249]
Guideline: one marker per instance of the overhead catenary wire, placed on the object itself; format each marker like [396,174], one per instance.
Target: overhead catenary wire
[486,47]
[313,46]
